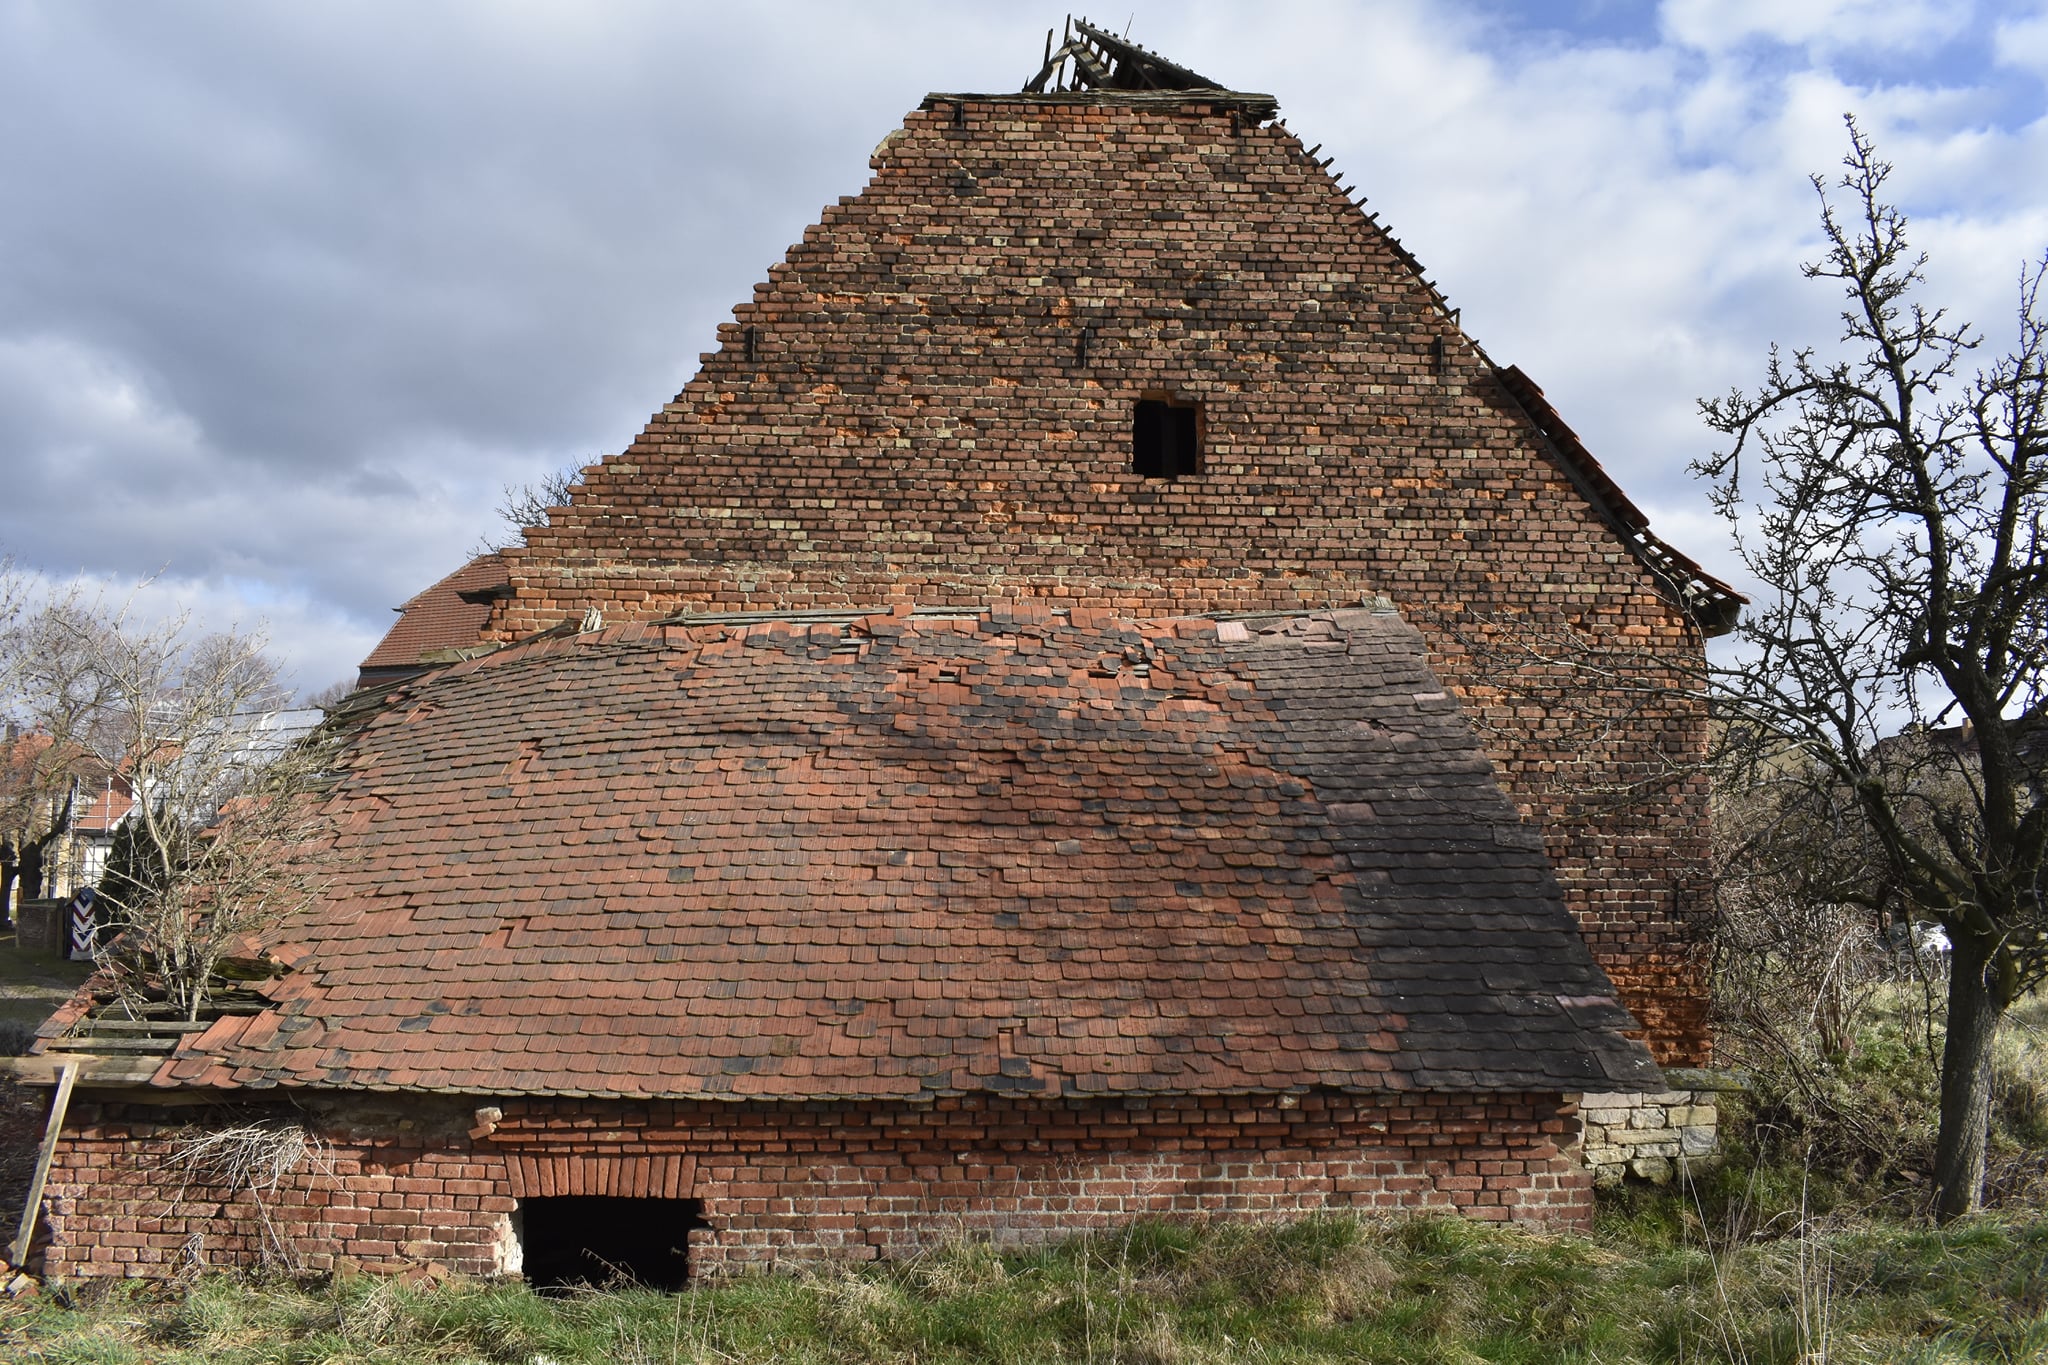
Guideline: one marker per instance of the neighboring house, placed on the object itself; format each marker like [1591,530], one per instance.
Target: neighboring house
[1038,731]
[97,818]
[76,806]
[58,815]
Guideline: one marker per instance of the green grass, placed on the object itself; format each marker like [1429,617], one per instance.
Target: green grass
[1795,1249]
[1651,1285]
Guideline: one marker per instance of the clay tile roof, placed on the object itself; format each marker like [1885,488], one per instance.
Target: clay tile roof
[1019,850]
[448,616]
[102,809]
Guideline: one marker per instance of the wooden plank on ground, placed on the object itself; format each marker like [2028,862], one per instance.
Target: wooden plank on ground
[94,1071]
[67,1076]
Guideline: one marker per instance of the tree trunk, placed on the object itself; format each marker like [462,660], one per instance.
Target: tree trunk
[31,870]
[1974,1008]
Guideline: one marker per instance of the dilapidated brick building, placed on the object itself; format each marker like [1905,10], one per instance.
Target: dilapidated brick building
[1076,710]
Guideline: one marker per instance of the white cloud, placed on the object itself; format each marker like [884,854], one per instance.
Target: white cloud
[2022,40]
[1822,26]
[291,291]
[68,392]
[315,643]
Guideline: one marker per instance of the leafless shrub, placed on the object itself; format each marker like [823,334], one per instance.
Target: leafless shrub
[253,1158]
[222,844]
[521,505]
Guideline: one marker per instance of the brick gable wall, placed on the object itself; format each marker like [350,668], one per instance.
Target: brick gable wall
[931,399]
[795,1184]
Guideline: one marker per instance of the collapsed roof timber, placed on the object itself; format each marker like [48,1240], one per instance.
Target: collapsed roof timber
[996,752]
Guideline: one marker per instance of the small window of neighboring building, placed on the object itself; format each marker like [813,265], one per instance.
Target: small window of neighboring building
[1166,438]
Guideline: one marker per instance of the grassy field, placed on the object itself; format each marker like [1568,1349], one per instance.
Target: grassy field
[1652,1284]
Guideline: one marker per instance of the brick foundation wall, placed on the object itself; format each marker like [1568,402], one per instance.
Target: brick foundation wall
[932,399]
[408,1185]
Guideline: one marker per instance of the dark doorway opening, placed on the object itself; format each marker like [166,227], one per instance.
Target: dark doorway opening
[576,1240]
[1166,439]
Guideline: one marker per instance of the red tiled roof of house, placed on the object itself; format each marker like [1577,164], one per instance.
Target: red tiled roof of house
[21,764]
[913,855]
[450,615]
[33,767]
[101,809]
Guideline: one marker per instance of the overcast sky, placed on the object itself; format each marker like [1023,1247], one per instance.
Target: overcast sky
[288,292]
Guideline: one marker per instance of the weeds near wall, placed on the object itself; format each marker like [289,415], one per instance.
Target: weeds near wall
[251,1158]
[1328,1289]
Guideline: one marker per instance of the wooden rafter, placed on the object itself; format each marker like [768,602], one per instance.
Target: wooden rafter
[1091,59]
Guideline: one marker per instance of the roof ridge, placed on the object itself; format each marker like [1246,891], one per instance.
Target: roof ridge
[1095,59]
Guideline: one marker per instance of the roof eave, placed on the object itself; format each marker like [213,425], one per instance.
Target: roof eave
[1712,604]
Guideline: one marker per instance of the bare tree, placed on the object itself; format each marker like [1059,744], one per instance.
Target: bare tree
[1892,505]
[56,713]
[226,821]
[219,844]
[14,598]
[332,695]
[521,505]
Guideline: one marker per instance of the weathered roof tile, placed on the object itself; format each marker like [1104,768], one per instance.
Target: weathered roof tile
[451,615]
[669,862]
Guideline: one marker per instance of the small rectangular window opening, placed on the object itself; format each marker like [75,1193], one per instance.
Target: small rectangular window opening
[1166,438]
[568,1242]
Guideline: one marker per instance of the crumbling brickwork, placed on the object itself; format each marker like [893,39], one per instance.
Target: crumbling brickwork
[793,1184]
[932,399]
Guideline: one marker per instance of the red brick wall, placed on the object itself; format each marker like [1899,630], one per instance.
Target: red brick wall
[787,1184]
[918,421]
